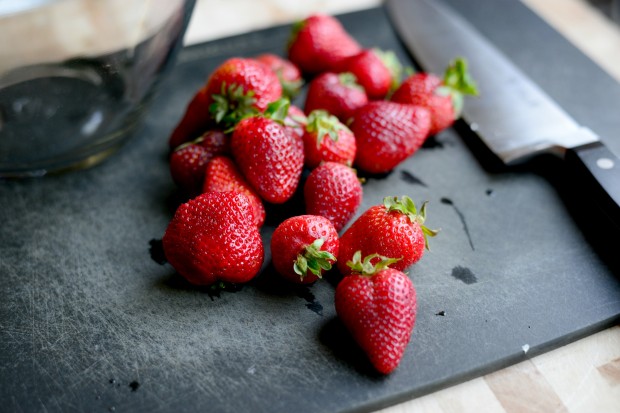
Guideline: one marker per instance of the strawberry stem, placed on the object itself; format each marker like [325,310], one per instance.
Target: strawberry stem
[406,206]
[313,259]
[366,267]
[321,122]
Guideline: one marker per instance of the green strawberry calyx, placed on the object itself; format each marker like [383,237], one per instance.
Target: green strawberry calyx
[457,82]
[277,110]
[232,104]
[290,88]
[349,80]
[295,29]
[323,123]
[406,206]
[366,267]
[390,60]
[313,259]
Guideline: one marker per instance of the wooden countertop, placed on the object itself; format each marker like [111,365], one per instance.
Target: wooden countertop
[583,376]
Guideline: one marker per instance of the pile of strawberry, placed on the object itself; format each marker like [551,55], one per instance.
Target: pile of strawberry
[241,144]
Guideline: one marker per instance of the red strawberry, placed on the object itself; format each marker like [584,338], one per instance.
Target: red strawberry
[215,142]
[377,304]
[333,191]
[234,89]
[222,175]
[287,72]
[394,229]
[213,238]
[442,97]
[187,167]
[270,157]
[377,71]
[387,133]
[195,120]
[303,247]
[319,43]
[339,94]
[327,139]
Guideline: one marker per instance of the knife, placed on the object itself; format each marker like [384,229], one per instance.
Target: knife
[513,116]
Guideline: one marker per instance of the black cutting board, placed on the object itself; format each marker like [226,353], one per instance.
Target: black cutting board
[89,321]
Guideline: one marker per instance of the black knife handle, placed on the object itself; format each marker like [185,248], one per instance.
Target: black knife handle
[599,169]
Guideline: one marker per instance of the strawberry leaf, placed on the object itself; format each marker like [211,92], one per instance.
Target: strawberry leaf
[366,267]
[278,110]
[295,29]
[232,104]
[390,60]
[290,88]
[457,82]
[322,123]
[313,259]
[458,78]
[349,80]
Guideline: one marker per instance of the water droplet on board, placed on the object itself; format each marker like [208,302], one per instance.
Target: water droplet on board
[464,274]
[448,201]
[312,304]
[411,179]
[134,385]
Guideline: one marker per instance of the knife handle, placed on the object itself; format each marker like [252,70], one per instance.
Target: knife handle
[599,169]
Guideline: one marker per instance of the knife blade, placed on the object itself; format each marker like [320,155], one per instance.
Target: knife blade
[513,116]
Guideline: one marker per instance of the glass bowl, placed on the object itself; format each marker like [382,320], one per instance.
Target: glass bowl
[76,77]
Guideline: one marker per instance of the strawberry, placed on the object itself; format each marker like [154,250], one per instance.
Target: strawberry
[442,97]
[187,167]
[333,191]
[222,175]
[288,74]
[188,161]
[303,247]
[270,157]
[339,94]
[377,304]
[387,133]
[236,88]
[327,139]
[215,142]
[320,43]
[377,71]
[195,120]
[213,238]
[394,229]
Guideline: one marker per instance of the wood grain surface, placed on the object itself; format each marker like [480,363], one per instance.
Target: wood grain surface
[583,376]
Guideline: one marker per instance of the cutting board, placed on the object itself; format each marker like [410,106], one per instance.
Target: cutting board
[92,319]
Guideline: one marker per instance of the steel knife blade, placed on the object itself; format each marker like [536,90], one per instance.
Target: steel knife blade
[512,115]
